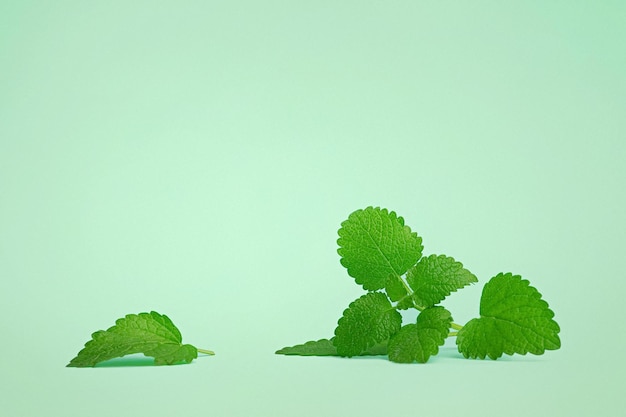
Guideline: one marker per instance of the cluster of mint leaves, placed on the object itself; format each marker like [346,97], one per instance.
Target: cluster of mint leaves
[385,257]
[152,334]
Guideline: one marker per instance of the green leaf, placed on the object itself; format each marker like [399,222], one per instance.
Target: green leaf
[152,334]
[405,303]
[513,319]
[325,347]
[435,277]
[420,341]
[322,347]
[367,321]
[396,291]
[374,243]
[395,288]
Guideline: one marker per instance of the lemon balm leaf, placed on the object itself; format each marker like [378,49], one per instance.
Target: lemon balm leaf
[396,291]
[152,334]
[434,277]
[513,319]
[374,243]
[394,288]
[322,347]
[367,321]
[326,347]
[419,341]
[384,256]
[405,303]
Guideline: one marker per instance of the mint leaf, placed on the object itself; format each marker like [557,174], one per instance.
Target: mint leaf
[325,347]
[381,253]
[152,334]
[435,277]
[322,347]
[396,291]
[420,341]
[394,288]
[405,303]
[513,319]
[367,321]
[374,243]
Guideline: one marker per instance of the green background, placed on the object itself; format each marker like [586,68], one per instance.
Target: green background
[197,158]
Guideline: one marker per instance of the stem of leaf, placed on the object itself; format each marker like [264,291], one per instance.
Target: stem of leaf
[409,293]
[451,334]
[408,289]
[456,326]
[206,352]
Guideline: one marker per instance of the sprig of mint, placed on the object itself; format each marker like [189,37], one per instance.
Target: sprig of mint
[152,334]
[385,257]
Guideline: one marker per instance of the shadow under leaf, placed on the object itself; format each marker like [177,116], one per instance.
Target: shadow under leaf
[130,361]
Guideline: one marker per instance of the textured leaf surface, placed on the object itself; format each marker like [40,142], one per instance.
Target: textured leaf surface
[325,347]
[435,277]
[374,243]
[367,321]
[513,319]
[420,341]
[152,334]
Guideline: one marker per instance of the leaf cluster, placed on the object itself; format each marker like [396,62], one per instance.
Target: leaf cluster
[384,256]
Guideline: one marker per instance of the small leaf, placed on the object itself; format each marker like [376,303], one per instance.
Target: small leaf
[152,334]
[435,277]
[513,319]
[322,347]
[367,321]
[405,303]
[396,291]
[325,347]
[374,243]
[394,288]
[420,341]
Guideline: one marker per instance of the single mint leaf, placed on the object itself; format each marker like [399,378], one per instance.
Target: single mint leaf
[435,277]
[420,341]
[374,243]
[325,347]
[395,288]
[513,319]
[367,321]
[322,347]
[152,334]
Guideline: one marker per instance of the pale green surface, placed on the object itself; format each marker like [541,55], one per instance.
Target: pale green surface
[197,159]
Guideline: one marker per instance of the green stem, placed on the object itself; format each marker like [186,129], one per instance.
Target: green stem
[409,294]
[408,289]
[206,352]
[456,326]
[451,334]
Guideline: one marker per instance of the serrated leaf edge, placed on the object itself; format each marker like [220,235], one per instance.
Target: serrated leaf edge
[510,352]
[444,290]
[155,316]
